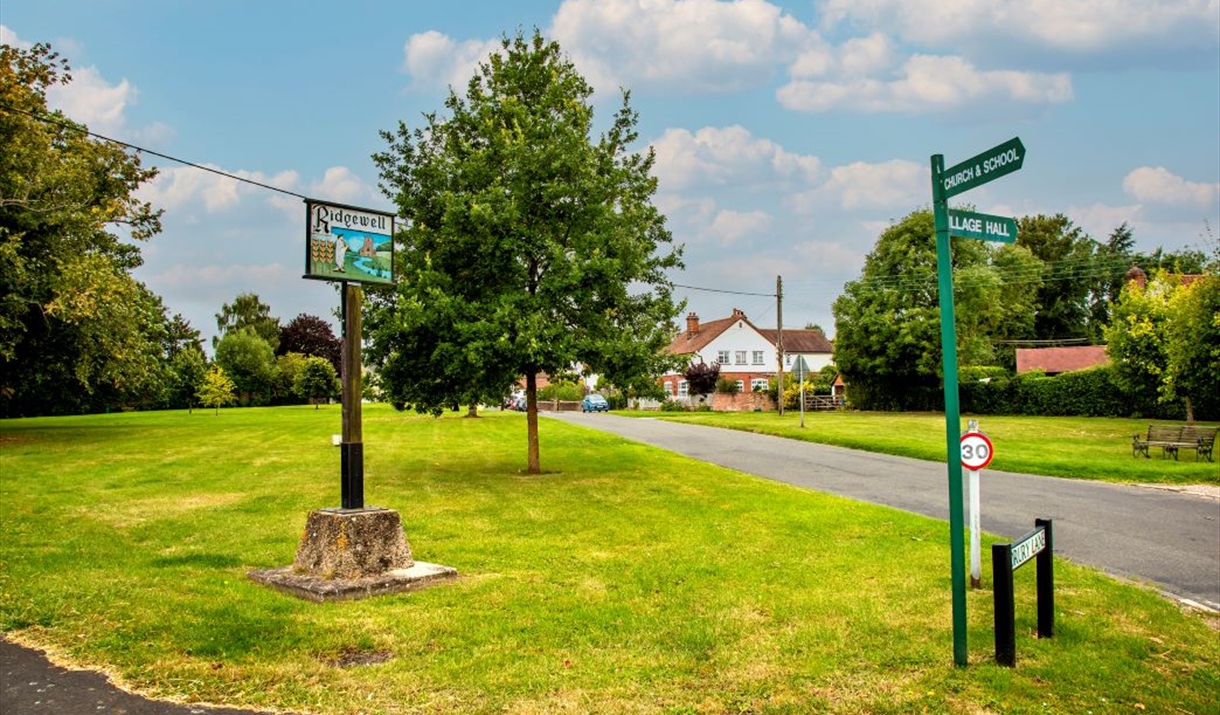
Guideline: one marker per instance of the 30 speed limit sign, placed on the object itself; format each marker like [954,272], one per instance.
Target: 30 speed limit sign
[976,450]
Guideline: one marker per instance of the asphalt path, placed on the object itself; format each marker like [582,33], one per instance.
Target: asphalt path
[1170,539]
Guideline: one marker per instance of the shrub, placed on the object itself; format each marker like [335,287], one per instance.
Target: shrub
[565,391]
[673,406]
[726,386]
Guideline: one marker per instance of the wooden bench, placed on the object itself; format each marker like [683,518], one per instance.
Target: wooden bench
[1172,438]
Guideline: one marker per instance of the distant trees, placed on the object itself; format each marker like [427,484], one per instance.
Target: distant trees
[248,360]
[310,335]
[247,312]
[317,381]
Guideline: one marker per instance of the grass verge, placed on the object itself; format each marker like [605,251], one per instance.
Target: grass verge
[1076,447]
[625,580]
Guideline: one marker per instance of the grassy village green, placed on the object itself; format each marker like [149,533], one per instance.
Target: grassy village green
[1076,447]
[623,580]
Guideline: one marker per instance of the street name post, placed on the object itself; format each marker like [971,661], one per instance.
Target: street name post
[1007,558]
[989,165]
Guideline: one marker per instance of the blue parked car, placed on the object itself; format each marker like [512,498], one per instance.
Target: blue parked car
[594,403]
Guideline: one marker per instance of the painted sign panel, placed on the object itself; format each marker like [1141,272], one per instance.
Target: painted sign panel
[997,161]
[346,243]
[967,224]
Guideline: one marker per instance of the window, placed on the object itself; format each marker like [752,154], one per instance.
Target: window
[758,357]
[722,357]
[682,388]
[741,385]
[758,384]
[741,357]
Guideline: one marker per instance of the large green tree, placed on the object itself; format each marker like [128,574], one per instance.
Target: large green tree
[77,332]
[1073,275]
[1164,339]
[530,245]
[887,322]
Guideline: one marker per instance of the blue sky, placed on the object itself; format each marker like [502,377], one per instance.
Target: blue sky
[788,134]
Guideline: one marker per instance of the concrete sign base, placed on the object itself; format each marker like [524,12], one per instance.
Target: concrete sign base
[350,554]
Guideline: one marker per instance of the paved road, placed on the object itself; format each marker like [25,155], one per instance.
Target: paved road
[30,685]
[1171,539]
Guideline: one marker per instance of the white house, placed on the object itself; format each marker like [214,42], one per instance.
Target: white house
[745,352]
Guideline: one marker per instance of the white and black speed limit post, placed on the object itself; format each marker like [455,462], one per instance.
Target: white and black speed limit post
[977,452]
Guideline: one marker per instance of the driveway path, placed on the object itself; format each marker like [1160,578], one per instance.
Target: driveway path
[1169,538]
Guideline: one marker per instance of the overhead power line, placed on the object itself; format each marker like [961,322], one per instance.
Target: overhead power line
[721,290]
[48,119]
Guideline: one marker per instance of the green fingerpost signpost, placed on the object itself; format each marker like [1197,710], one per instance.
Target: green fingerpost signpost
[988,166]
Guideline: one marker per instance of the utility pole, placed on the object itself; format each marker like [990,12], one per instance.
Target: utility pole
[779,339]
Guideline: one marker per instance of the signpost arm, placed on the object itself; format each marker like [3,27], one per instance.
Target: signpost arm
[948,348]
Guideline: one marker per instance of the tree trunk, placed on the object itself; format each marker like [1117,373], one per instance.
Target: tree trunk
[1190,411]
[531,420]
[473,411]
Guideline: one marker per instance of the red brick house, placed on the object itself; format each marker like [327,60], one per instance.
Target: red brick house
[745,352]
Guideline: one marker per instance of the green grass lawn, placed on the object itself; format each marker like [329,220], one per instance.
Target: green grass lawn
[624,580]
[1077,447]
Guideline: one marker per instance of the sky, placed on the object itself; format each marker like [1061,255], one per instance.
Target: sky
[788,135]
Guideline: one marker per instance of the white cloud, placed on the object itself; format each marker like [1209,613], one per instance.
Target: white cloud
[341,185]
[436,60]
[734,227]
[1099,220]
[893,184]
[1160,186]
[728,156]
[927,83]
[94,102]
[91,100]
[8,37]
[1075,26]
[179,186]
[678,45]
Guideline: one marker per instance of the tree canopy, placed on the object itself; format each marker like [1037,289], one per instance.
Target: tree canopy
[1164,339]
[249,361]
[310,335]
[887,323]
[247,312]
[77,332]
[529,246]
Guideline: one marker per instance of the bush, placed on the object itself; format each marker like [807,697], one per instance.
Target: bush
[673,406]
[726,386]
[1082,393]
[564,391]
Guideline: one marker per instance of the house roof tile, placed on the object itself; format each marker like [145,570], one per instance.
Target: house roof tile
[1057,360]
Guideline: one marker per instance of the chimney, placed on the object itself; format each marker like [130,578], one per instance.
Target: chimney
[1135,273]
[737,313]
[692,324]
